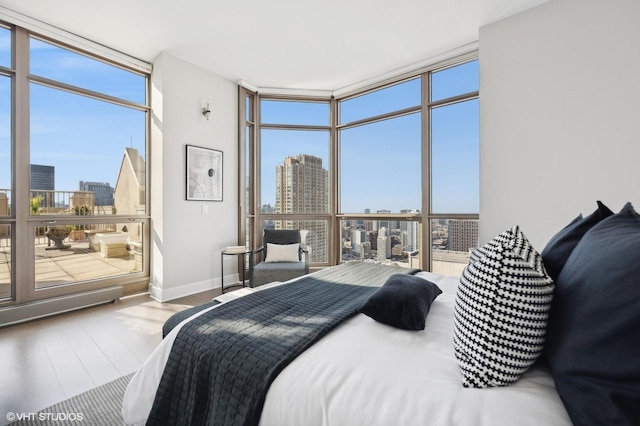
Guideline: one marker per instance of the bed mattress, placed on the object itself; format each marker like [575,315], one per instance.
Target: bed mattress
[367,373]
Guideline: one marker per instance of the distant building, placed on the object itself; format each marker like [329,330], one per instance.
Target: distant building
[357,238]
[43,183]
[384,245]
[463,235]
[268,209]
[102,192]
[302,187]
[410,233]
[365,250]
[43,177]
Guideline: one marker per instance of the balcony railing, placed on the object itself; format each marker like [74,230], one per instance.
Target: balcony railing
[49,202]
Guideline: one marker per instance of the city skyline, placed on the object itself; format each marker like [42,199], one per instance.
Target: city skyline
[380,163]
[301,188]
[83,138]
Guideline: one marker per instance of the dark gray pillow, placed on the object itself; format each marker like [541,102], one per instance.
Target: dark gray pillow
[402,302]
[557,251]
[593,338]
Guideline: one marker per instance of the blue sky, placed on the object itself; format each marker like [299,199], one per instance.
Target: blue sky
[84,139]
[380,162]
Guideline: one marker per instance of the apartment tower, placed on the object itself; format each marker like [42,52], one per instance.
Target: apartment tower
[302,188]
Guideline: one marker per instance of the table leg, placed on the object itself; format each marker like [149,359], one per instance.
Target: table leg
[222,273]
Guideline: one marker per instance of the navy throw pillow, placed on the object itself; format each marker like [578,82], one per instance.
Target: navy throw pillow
[593,337]
[402,302]
[557,251]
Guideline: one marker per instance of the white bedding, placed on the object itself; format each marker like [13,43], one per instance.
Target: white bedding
[367,373]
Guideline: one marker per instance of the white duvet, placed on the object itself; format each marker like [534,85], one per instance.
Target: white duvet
[367,373]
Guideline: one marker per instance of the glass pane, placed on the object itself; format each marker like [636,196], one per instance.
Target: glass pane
[247,108]
[294,171]
[393,98]
[85,153]
[294,112]
[248,169]
[5,146]
[380,166]
[5,47]
[455,158]
[69,67]
[455,81]
[5,260]
[315,238]
[451,242]
[84,252]
[381,240]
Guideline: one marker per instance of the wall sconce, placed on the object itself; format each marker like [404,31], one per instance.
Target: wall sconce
[206,111]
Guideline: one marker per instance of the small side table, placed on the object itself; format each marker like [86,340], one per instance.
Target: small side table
[243,256]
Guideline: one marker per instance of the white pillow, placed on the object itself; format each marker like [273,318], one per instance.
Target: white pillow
[283,252]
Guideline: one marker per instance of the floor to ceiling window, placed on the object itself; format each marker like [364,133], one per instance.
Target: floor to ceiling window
[6,187]
[380,145]
[73,174]
[454,166]
[390,173]
[294,166]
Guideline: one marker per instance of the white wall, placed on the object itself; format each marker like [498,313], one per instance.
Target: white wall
[559,116]
[186,244]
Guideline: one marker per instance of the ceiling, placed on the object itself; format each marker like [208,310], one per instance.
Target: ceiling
[291,44]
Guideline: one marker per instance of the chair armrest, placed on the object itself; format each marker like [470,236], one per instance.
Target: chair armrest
[260,253]
[305,250]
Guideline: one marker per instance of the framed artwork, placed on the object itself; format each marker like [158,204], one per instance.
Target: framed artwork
[204,174]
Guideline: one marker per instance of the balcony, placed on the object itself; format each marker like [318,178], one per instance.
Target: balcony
[88,250]
[77,262]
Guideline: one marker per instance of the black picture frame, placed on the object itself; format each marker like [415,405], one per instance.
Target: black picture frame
[204,174]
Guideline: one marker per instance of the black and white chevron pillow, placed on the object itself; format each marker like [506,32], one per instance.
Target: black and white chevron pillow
[501,311]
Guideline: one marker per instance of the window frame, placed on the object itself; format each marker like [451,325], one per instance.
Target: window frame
[425,217]
[260,217]
[21,221]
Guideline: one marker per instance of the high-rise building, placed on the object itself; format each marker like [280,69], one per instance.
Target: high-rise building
[43,177]
[358,237]
[267,209]
[463,235]
[364,250]
[410,233]
[102,192]
[302,187]
[384,245]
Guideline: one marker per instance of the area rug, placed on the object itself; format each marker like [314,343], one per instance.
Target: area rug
[98,406]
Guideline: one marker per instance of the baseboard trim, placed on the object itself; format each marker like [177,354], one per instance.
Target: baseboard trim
[164,295]
[44,308]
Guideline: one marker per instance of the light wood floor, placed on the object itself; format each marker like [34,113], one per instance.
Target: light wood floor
[45,361]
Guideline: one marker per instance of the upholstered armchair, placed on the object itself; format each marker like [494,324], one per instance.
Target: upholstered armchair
[281,258]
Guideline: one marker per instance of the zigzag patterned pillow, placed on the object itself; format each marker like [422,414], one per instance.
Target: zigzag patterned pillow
[501,311]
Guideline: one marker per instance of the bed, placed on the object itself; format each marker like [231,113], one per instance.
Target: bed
[522,337]
[366,372]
